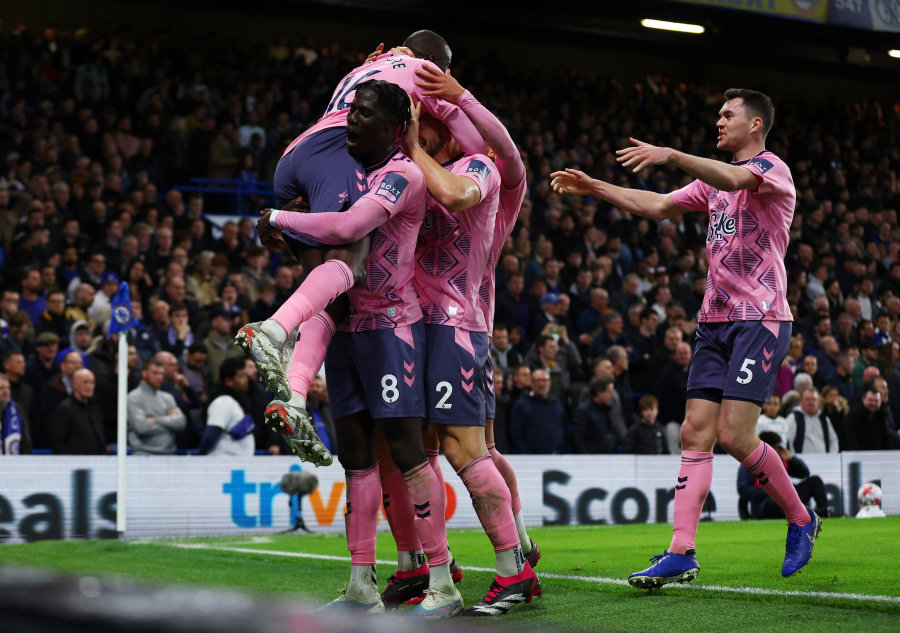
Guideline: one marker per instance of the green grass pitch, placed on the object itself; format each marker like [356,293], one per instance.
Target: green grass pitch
[851,584]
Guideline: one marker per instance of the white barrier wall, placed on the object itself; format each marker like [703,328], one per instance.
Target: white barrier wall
[59,497]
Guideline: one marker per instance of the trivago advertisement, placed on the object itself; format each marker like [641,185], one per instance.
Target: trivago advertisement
[65,497]
[813,10]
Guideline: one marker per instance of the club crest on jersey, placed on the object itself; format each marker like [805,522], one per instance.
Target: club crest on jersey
[479,168]
[342,197]
[392,187]
[720,225]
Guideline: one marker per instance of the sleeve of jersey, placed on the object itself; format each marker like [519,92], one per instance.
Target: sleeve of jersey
[336,228]
[480,169]
[496,135]
[692,197]
[773,175]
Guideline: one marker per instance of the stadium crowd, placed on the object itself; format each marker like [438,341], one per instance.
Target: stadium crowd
[596,309]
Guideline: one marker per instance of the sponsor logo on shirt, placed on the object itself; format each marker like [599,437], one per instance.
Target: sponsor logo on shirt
[720,225]
[761,164]
[392,187]
[479,168]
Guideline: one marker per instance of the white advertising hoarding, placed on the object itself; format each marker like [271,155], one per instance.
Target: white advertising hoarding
[60,497]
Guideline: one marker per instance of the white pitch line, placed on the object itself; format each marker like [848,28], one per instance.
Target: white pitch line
[597,579]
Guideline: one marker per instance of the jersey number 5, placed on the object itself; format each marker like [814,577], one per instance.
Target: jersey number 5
[746,375]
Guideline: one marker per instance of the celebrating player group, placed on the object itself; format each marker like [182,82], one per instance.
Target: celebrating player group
[398,202]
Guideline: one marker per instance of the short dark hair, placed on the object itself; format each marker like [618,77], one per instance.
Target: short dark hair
[231,366]
[756,104]
[391,97]
[771,438]
[429,45]
[198,347]
[647,401]
[598,385]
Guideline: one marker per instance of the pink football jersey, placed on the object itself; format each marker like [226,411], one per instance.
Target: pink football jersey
[507,212]
[746,243]
[387,299]
[453,250]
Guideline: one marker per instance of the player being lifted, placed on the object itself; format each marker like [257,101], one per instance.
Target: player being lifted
[318,167]
[375,363]
[744,322]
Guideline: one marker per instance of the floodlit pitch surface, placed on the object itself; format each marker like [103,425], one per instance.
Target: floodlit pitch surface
[851,584]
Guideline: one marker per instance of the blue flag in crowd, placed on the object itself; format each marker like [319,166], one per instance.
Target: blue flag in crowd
[122,315]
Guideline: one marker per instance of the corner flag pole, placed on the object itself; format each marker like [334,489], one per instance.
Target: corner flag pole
[122,434]
[122,320]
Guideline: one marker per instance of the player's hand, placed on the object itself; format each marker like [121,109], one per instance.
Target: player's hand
[411,135]
[643,154]
[297,204]
[437,84]
[571,181]
[268,234]
[402,50]
[378,50]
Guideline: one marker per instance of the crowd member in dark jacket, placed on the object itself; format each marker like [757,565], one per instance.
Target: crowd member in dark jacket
[672,389]
[869,426]
[760,503]
[15,434]
[76,425]
[538,420]
[592,428]
[647,436]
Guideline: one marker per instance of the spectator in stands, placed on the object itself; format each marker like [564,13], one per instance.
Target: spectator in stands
[672,389]
[220,340]
[546,314]
[22,394]
[612,334]
[60,385]
[16,337]
[757,502]
[179,335]
[622,381]
[77,424]
[79,340]
[505,356]
[538,421]
[42,365]
[31,298]
[519,382]
[589,319]
[544,356]
[320,410]
[592,427]
[647,437]
[771,420]
[15,432]
[81,306]
[809,429]
[153,417]
[869,426]
[229,428]
[55,318]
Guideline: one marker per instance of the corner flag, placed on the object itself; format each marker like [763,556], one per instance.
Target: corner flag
[122,315]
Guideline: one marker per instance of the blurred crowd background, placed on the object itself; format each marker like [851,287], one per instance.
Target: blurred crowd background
[101,132]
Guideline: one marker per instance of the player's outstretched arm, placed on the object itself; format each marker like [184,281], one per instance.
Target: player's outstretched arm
[445,86]
[454,193]
[648,204]
[715,173]
[333,228]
